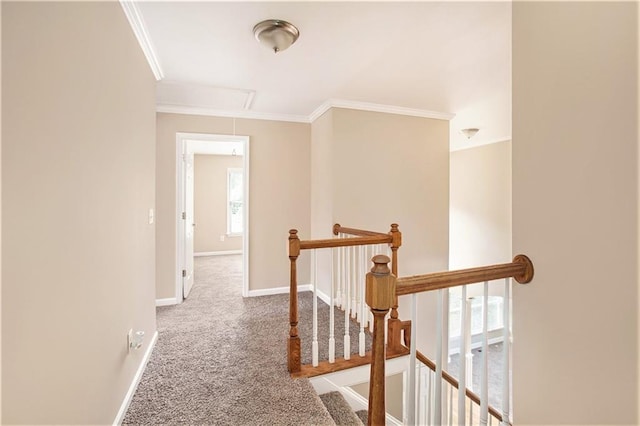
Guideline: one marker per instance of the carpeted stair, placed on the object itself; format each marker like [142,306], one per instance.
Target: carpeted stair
[340,410]
[363,415]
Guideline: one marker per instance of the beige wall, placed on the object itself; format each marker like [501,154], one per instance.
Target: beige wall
[393,389]
[392,168]
[480,197]
[278,190]
[575,212]
[77,184]
[389,168]
[322,218]
[210,203]
[480,202]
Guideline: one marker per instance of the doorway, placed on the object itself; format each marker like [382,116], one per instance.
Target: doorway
[192,146]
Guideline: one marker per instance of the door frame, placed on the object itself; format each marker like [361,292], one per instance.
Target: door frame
[182,140]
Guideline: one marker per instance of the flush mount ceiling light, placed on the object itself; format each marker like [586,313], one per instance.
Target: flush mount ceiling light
[276,34]
[469,133]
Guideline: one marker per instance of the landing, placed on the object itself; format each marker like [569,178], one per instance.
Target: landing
[221,359]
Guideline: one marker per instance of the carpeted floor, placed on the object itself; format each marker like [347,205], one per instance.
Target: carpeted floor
[495,372]
[221,359]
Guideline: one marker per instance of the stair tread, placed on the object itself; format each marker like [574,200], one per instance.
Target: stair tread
[339,409]
[363,415]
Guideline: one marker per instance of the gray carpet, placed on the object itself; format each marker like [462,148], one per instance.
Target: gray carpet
[363,415]
[221,359]
[495,372]
[339,409]
[305,329]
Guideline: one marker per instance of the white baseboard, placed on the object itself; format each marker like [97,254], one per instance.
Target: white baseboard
[323,296]
[217,253]
[278,290]
[166,302]
[136,379]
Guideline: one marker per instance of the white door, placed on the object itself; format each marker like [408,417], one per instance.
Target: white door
[187,281]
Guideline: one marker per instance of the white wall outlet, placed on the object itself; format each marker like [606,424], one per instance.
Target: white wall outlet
[221,237]
[129,339]
[134,340]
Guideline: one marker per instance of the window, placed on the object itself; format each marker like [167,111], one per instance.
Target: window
[235,202]
[494,314]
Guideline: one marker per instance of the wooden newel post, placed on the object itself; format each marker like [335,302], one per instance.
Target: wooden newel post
[395,325]
[293,346]
[380,295]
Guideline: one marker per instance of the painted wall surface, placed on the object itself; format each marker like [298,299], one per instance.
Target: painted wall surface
[322,193]
[77,185]
[394,390]
[278,191]
[390,168]
[210,203]
[575,212]
[480,197]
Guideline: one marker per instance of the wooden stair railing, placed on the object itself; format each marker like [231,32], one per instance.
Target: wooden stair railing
[360,237]
[381,282]
[453,382]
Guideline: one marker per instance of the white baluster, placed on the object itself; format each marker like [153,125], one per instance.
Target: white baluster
[424,395]
[361,311]
[506,346]
[437,411]
[411,391]
[367,266]
[450,404]
[471,404]
[430,398]
[314,344]
[468,357]
[347,289]
[484,387]
[462,383]
[339,275]
[445,350]
[354,280]
[357,255]
[332,326]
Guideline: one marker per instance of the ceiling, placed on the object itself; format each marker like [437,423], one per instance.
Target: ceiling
[419,58]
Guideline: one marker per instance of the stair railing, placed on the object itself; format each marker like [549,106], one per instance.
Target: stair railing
[350,250]
[383,287]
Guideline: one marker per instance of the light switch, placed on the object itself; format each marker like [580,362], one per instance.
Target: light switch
[151,217]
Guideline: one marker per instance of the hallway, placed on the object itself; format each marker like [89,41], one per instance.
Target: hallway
[221,359]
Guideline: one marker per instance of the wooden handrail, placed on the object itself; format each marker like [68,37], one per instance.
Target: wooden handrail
[338,229]
[380,279]
[345,242]
[362,237]
[521,269]
[453,382]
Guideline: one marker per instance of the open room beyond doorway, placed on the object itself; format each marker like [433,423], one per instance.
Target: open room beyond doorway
[211,163]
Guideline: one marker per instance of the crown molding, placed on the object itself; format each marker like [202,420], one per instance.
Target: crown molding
[140,30]
[387,109]
[190,110]
[324,107]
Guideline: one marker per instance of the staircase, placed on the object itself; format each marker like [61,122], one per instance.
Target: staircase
[341,411]
[429,393]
